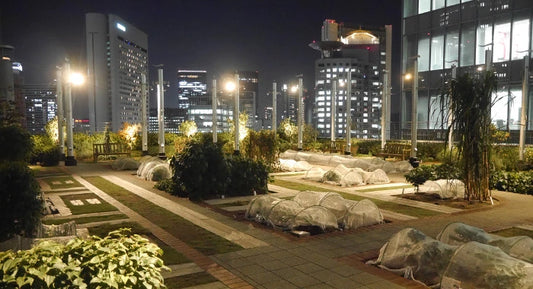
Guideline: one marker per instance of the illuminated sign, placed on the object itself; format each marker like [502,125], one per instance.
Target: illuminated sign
[121,27]
[17,66]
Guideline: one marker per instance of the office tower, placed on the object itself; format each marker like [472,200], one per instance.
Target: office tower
[459,35]
[248,93]
[365,53]
[41,106]
[117,55]
[192,91]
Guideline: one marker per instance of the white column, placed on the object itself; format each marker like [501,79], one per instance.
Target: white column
[523,110]
[236,114]
[161,113]
[348,146]
[333,111]
[274,108]
[414,109]
[300,112]
[384,106]
[70,160]
[59,114]
[214,108]
[144,123]
[450,113]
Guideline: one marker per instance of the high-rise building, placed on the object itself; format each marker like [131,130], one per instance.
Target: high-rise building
[248,93]
[117,56]
[459,35]
[192,91]
[41,106]
[365,54]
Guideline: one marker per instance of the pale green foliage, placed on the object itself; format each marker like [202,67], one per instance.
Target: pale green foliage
[188,128]
[116,261]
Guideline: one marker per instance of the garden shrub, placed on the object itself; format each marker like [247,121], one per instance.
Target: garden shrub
[261,146]
[421,174]
[372,147]
[516,182]
[49,156]
[15,143]
[331,176]
[246,176]
[20,208]
[429,150]
[116,261]
[504,157]
[43,147]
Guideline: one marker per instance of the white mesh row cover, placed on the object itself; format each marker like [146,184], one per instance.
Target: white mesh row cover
[323,210]
[294,166]
[414,255]
[315,174]
[520,247]
[472,265]
[122,164]
[446,189]
[147,166]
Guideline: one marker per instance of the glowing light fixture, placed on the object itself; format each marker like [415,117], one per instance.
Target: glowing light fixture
[76,78]
[121,27]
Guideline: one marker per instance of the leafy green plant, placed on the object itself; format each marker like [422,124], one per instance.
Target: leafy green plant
[15,143]
[331,176]
[246,176]
[20,208]
[261,146]
[372,147]
[517,182]
[116,261]
[419,176]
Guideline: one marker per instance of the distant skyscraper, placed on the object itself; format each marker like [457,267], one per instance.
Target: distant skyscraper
[117,55]
[366,54]
[192,91]
[41,106]
[248,93]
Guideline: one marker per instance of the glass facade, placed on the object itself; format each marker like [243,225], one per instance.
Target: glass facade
[460,33]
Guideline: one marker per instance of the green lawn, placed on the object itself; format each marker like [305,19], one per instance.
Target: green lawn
[86,208]
[196,237]
[170,255]
[390,206]
[46,171]
[85,220]
[62,182]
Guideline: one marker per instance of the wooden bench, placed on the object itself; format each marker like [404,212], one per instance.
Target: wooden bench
[109,149]
[396,150]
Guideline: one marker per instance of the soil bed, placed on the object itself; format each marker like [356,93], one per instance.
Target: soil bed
[454,203]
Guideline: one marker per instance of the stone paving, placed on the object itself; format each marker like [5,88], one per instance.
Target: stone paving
[334,260]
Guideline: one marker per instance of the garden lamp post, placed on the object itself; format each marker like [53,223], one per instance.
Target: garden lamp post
[144,116]
[161,112]
[300,111]
[214,108]
[333,112]
[60,110]
[274,108]
[348,146]
[72,79]
[234,86]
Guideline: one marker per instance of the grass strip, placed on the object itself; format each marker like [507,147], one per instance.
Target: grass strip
[170,255]
[47,171]
[202,240]
[62,180]
[384,188]
[390,206]
[86,208]
[190,280]
[85,220]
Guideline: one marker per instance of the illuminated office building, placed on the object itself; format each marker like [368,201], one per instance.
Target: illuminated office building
[363,51]
[192,91]
[448,33]
[41,106]
[117,55]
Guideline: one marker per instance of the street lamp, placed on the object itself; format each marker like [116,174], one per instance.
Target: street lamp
[234,86]
[414,108]
[523,109]
[144,116]
[60,117]
[348,147]
[333,112]
[274,108]
[299,88]
[71,79]
[214,108]
[161,112]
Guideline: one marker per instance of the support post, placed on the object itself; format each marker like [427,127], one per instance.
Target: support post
[348,146]
[144,123]
[414,109]
[236,116]
[69,160]
[214,108]
[300,111]
[60,111]
[274,108]
[333,112]
[523,110]
[161,113]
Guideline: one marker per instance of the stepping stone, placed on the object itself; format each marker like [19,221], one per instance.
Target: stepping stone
[69,182]
[93,201]
[77,202]
[56,183]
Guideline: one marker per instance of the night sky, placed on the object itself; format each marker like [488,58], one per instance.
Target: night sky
[268,36]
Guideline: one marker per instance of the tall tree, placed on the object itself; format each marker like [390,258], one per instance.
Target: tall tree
[470,102]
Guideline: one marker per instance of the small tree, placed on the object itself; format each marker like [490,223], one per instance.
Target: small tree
[470,103]
[188,128]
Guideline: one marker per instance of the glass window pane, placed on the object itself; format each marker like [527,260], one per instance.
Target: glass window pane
[452,49]
[422,110]
[468,46]
[452,2]
[409,8]
[437,51]
[484,38]
[502,42]
[437,4]
[515,105]
[424,6]
[520,38]
[499,109]
[463,1]
[423,52]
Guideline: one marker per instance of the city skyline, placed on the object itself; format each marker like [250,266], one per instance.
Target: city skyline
[217,36]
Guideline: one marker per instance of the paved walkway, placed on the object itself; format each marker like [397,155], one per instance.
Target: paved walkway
[332,260]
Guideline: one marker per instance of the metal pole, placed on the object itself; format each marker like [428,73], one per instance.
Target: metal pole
[144,116]
[94,125]
[59,95]
[348,146]
[214,108]
[300,112]
[414,108]
[384,100]
[523,110]
[70,160]
[274,108]
[333,111]
[161,113]
[236,115]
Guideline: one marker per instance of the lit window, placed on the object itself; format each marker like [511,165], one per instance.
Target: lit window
[520,39]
